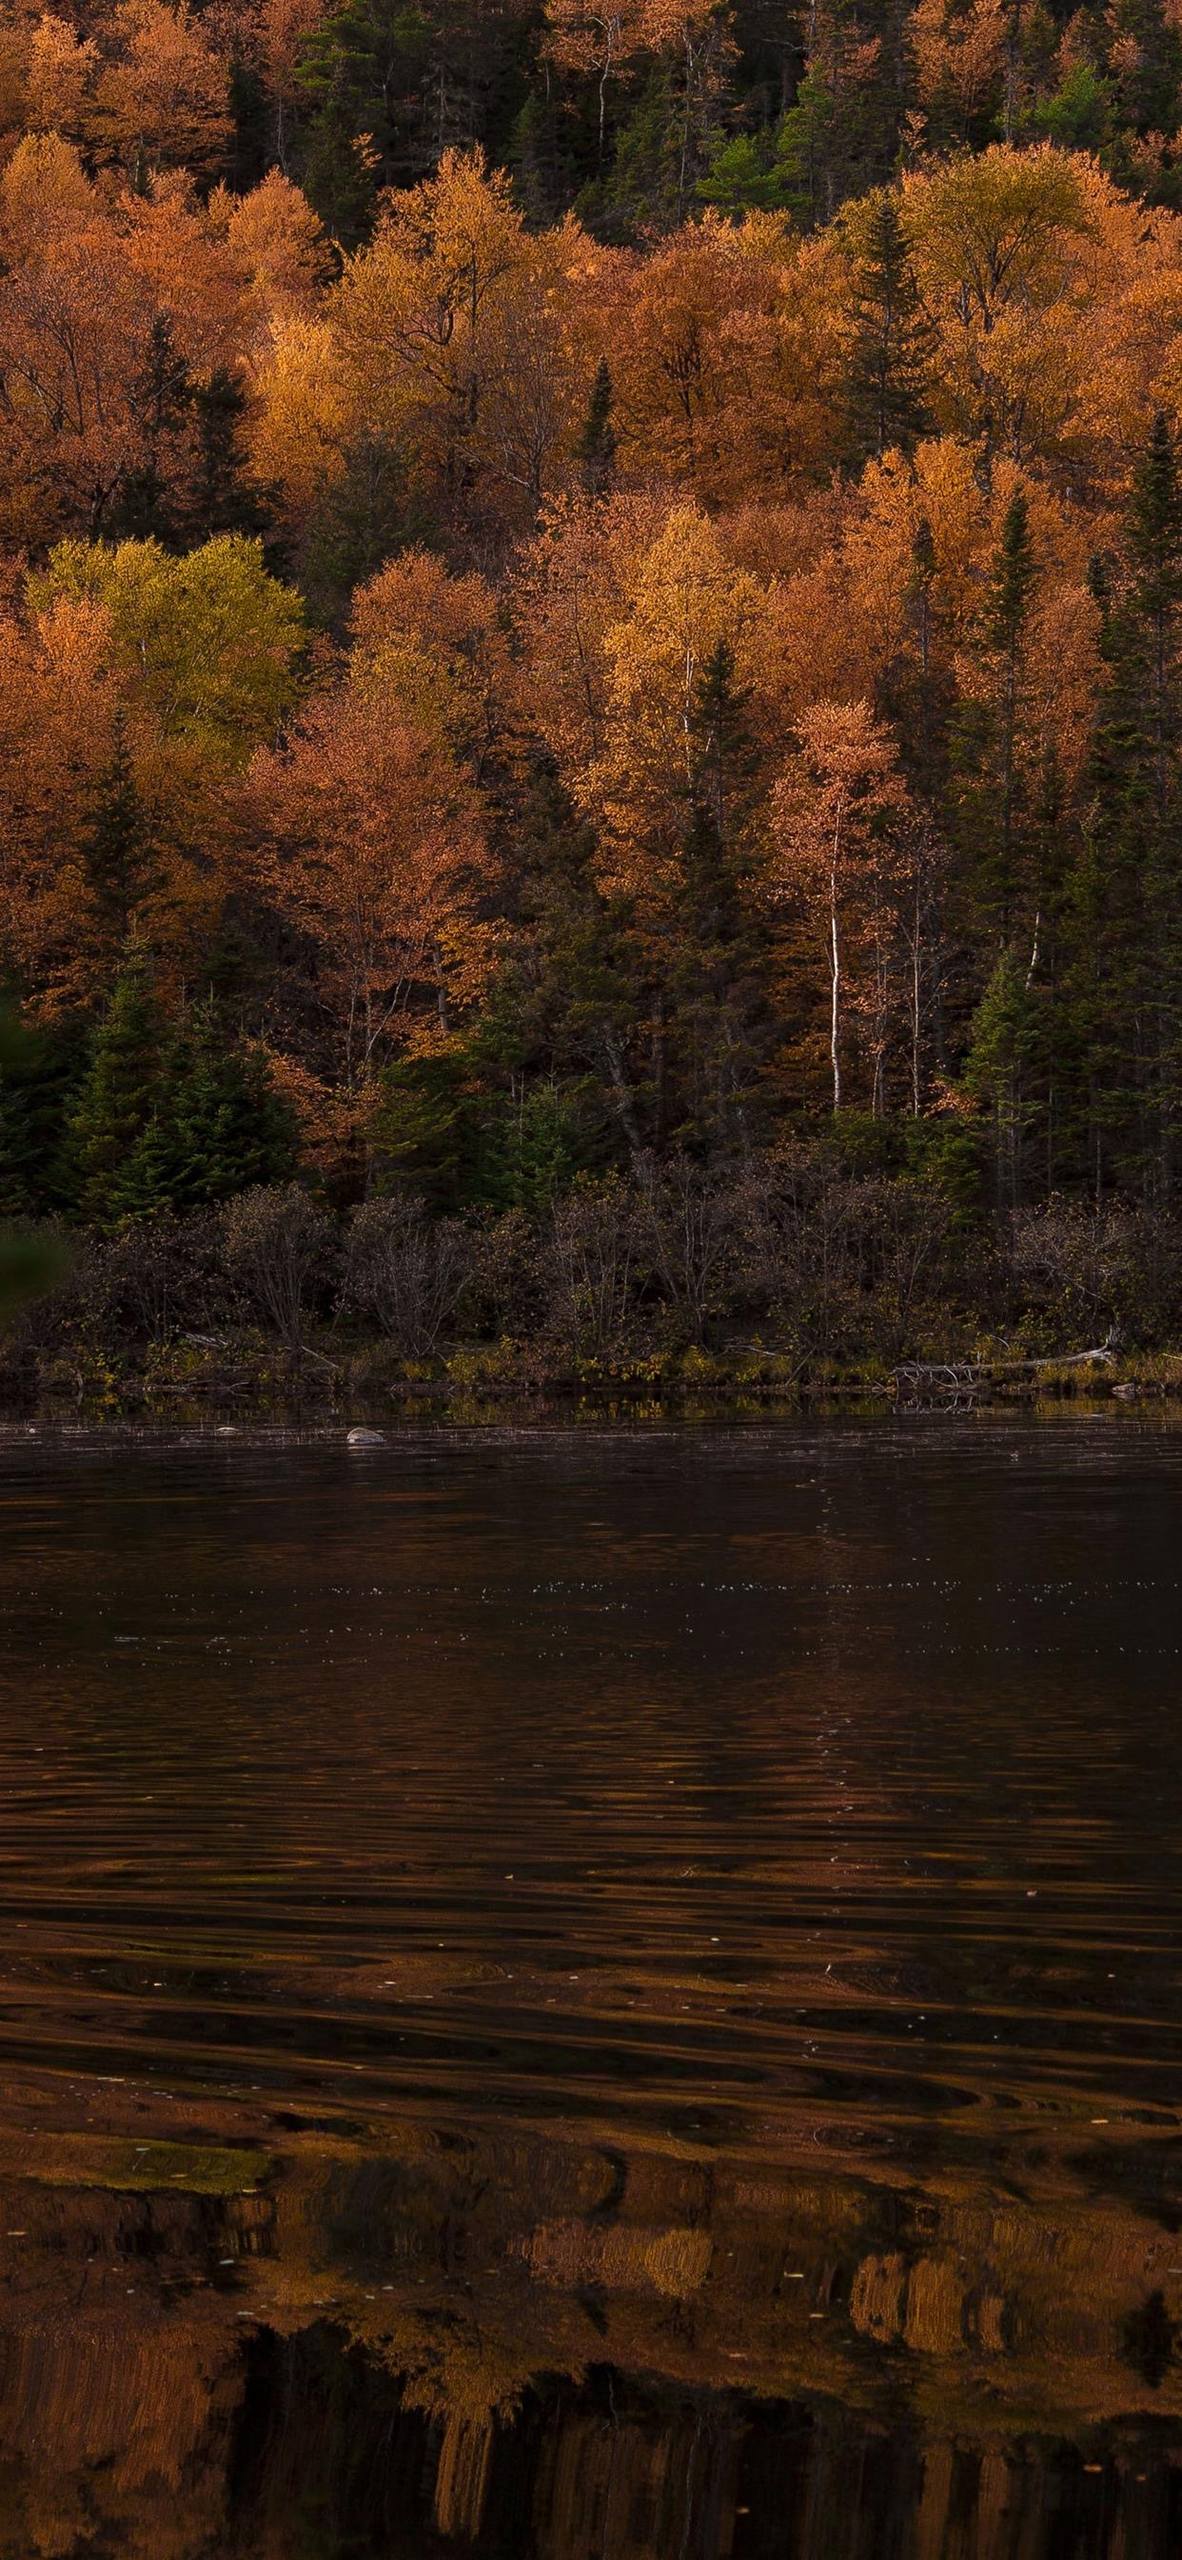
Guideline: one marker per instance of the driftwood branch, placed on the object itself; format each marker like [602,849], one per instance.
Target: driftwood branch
[305,1352]
[963,1377]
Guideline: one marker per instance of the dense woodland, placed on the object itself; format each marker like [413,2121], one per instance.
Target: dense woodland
[591,653]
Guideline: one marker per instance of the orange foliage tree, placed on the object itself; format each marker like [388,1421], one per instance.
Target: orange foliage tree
[366,834]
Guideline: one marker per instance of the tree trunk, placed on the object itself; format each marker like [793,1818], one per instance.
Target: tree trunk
[835,965]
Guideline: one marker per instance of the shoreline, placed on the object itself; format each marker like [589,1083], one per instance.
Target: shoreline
[246,1382]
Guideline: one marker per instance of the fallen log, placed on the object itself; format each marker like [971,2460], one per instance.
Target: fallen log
[965,1377]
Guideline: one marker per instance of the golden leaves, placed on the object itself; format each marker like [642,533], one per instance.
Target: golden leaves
[458,335]
[959,53]
[163,97]
[365,830]
[596,35]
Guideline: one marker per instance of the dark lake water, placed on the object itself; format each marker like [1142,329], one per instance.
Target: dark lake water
[592,1995]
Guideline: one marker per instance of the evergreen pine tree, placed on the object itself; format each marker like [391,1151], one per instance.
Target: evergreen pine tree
[596,448]
[642,188]
[918,696]
[1128,930]
[144,1184]
[222,1120]
[338,177]
[363,65]
[839,137]
[117,1097]
[988,781]
[1007,894]
[360,520]
[1147,54]
[1007,613]
[148,504]
[536,160]
[716,990]
[214,1126]
[919,691]
[223,500]
[1154,546]
[997,1068]
[118,850]
[892,344]
[805,153]
[252,151]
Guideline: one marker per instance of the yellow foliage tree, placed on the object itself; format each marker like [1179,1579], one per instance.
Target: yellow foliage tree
[839,819]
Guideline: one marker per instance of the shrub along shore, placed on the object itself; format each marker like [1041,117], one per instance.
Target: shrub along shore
[798,1279]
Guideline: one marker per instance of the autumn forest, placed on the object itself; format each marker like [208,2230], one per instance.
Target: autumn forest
[591,666]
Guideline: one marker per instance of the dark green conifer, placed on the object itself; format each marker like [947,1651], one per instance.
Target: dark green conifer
[1007,613]
[1147,46]
[360,520]
[596,448]
[222,1120]
[1128,886]
[224,500]
[148,502]
[806,155]
[117,1096]
[536,159]
[118,849]
[337,177]
[892,343]
[144,1184]
[716,995]
[642,190]
[921,697]
[215,1126]
[989,754]
[1002,1045]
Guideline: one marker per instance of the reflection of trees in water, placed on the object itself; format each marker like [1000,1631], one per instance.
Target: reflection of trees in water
[613,2469]
[686,1839]
[311,2449]
[565,1777]
[542,2350]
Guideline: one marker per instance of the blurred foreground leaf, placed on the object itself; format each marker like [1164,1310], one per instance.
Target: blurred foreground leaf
[30,1263]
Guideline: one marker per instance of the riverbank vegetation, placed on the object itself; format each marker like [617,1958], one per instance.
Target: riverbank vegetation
[798,1276]
[591,675]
